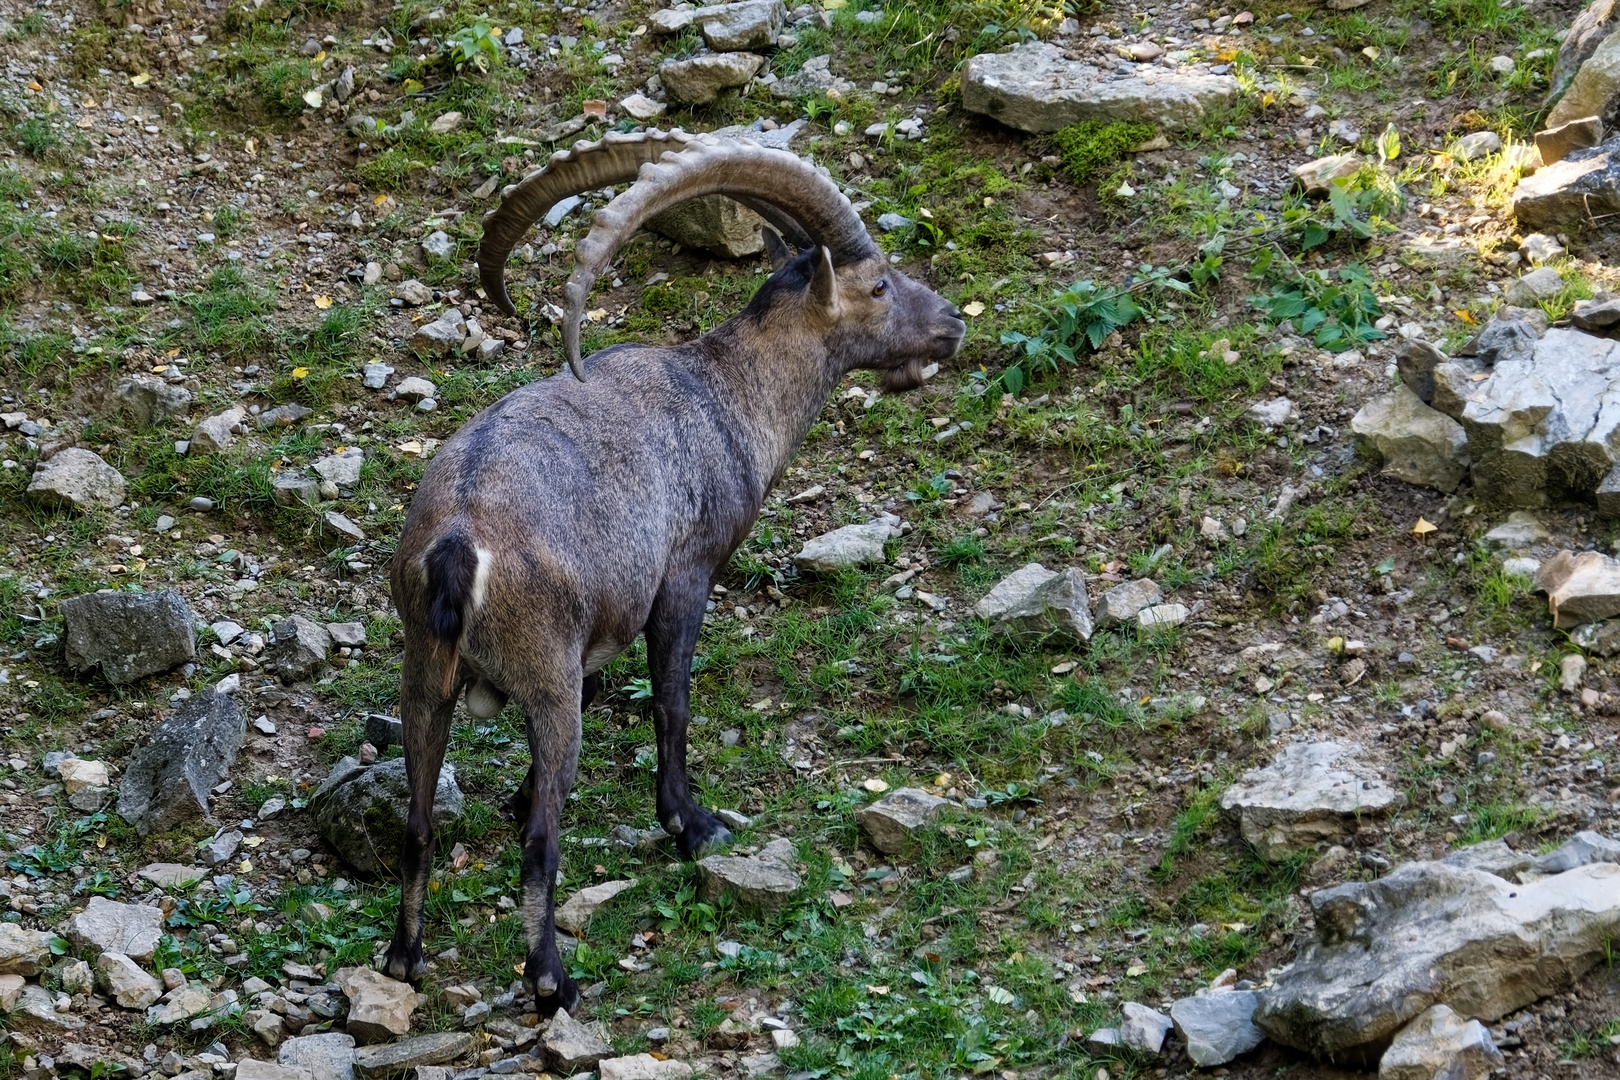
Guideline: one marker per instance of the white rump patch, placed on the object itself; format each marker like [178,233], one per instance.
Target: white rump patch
[481,579]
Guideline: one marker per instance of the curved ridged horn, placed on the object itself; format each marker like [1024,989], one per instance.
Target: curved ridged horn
[588,166]
[737,168]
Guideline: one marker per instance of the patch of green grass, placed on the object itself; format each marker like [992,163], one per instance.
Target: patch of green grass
[1092,146]
[37,136]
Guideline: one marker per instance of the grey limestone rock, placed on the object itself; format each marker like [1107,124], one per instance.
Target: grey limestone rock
[192,750]
[76,479]
[129,635]
[1428,934]
[893,821]
[107,926]
[398,1059]
[1440,1045]
[1416,443]
[749,24]
[360,810]
[1309,793]
[1217,1025]
[298,647]
[700,79]
[1034,87]
[150,401]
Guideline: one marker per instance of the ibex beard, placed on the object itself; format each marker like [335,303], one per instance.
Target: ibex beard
[576,513]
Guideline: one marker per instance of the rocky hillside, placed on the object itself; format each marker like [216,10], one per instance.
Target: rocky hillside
[1209,668]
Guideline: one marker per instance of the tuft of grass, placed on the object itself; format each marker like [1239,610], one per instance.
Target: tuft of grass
[1092,146]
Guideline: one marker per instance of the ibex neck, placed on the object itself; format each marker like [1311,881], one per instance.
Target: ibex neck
[779,384]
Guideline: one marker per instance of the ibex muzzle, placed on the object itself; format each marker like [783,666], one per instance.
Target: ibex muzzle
[576,513]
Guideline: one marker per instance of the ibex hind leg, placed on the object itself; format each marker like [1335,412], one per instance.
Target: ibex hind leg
[518,803]
[553,723]
[425,711]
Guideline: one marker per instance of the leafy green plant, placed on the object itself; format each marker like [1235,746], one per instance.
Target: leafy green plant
[685,911]
[1083,315]
[478,46]
[937,487]
[1337,314]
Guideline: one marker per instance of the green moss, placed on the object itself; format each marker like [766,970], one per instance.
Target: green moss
[1091,146]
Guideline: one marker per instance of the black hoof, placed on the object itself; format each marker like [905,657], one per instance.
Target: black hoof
[703,835]
[552,988]
[404,962]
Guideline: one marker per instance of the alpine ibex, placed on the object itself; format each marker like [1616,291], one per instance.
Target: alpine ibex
[576,513]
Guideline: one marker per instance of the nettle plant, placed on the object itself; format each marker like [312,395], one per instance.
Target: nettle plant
[478,46]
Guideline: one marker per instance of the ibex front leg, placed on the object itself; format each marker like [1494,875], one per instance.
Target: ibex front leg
[672,634]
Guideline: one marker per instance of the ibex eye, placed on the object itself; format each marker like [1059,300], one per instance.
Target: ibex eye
[880,288]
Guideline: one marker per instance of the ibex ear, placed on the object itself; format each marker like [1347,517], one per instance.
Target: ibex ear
[824,282]
[776,248]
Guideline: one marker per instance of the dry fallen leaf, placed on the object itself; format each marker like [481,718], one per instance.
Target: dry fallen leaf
[973,310]
[140,80]
[323,302]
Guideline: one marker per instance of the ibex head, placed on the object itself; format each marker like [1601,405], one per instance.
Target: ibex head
[868,313]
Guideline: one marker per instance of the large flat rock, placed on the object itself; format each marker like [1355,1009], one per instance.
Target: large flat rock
[1034,87]
[1308,794]
[1428,934]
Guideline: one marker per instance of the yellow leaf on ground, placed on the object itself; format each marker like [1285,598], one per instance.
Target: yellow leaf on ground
[140,80]
[1424,527]
[300,372]
[323,302]
[973,310]
[1467,317]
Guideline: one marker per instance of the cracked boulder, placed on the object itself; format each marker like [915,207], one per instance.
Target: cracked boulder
[150,401]
[168,782]
[1309,794]
[893,822]
[1035,600]
[1416,443]
[76,479]
[766,881]
[1543,419]
[1583,187]
[1427,934]
[1034,87]
[700,79]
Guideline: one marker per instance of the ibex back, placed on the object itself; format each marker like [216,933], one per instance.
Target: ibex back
[575,513]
